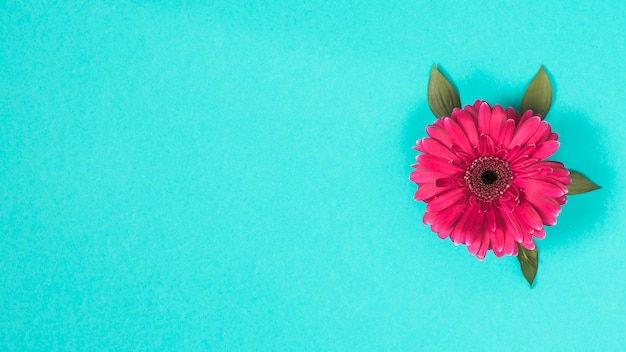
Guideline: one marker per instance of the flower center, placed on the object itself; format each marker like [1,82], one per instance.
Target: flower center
[488,177]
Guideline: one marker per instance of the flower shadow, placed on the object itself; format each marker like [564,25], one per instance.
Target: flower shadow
[581,150]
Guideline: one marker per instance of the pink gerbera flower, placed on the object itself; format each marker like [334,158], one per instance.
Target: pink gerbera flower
[484,179]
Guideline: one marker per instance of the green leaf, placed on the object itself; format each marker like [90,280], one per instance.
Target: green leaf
[580,184]
[529,262]
[442,97]
[538,96]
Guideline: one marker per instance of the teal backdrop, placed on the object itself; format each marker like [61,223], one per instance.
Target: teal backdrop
[234,176]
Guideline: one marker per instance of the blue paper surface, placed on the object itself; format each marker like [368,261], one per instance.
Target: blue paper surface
[234,176]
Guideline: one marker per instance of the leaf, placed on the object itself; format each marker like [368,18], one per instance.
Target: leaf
[529,262]
[580,184]
[442,97]
[538,96]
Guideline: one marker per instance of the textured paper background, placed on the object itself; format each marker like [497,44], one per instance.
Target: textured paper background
[234,176]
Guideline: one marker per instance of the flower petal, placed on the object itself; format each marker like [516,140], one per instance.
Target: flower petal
[547,208]
[540,187]
[528,215]
[546,149]
[530,245]
[423,175]
[428,190]
[486,145]
[512,114]
[484,247]
[431,146]
[498,118]
[458,136]
[450,182]
[497,239]
[512,226]
[506,135]
[484,118]
[460,231]
[510,246]
[468,123]
[446,199]
[542,134]
[447,218]
[439,134]
[438,164]
[540,234]
[525,130]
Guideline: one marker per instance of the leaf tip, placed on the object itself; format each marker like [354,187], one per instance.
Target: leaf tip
[529,263]
[442,96]
[580,184]
[538,95]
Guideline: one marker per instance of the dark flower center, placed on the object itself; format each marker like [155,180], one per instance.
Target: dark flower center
[488,177]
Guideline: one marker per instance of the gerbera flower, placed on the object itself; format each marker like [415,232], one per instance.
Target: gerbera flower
[484,179]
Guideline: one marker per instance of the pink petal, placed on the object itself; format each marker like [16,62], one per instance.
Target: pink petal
[484,118]
[506,135]
[438,164]
[540,187]
[491,219]
[512,114]
[497,239]
[558,169]
[525,116]
[431,146]
[540,234]
[528,245]
[458,136]
[442,234]
[542,134]
[439,134]
[459,232]
[446,199]
[423,175]
[528,215]
[462,156]
[546,149]
[497,121]
[428,190]
[486,145]
[510,246]
[450,182]
[429,218]
[468,123]
[511,225]
[525,229]
[473,225]
[446,218]
[525,130]
[519,155]
[547,208]
[484,247]
[474,246]
[457,236]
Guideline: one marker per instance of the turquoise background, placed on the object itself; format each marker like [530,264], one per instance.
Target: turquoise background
[233,176]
